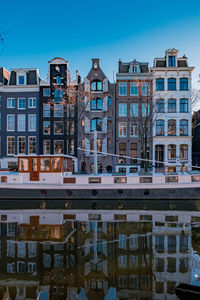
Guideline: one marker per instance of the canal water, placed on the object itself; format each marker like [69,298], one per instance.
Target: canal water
[63,254]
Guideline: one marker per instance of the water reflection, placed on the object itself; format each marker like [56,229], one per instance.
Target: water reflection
[143,254]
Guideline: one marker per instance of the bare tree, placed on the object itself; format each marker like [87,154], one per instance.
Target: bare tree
[195,100]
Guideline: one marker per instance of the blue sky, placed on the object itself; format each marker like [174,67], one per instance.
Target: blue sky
[36,31]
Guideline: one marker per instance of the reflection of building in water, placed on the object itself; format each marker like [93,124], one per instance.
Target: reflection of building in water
[172,252]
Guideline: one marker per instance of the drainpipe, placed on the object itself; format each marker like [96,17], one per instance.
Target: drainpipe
[95,153]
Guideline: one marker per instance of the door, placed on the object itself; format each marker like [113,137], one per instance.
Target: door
[159,155]
[34,172]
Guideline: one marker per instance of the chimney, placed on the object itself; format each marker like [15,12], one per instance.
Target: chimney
[95,63]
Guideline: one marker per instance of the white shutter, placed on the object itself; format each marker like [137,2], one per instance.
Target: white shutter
[87,85]
[105,85]
[87,147]
[104,145]
[104,124]
[87,104]
[105,104]
[87,125]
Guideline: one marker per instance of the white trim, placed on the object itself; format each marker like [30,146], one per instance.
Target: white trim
[54,128]
[18,122]
[7,103]
[32,102]
[43,147]
[10,154]
[43,127]
[29,145]
[33,130]
[18,145]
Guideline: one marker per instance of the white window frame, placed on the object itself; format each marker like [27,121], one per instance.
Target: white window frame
[50,146]
[43,127]
[29,144]
[7,123]
[21,75]
[135,109]
[31,106]
[18,104]
[49,92]
[18,144]
[134,125]
[54,146]
[11,102]
[120,126]
[124,105]
[32,130]
[54,128]
[123,84]
[18,122]
[10,154]
[134,85]
[46,110]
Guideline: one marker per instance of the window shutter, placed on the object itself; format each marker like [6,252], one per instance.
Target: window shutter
[104,125]
[105,104]
[105,85]
[87,125]
[87,85]
[87,104]
[104,145]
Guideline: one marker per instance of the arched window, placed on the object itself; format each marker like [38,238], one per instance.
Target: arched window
[96,104]
[172,152]
[99,168]
[172,84]
[183,84]
[160,127]
[183,127]
[99,145]
[184,152]
[160,106]
[83,167]
[160,84]
[184,105]
[83,122]
[96,124]
[171,127]
[96,85]
[172,105]
[109,121]
[109,142]
[58,94]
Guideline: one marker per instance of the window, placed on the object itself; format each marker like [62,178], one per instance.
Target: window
[133,150]
[145,109]
[160,127]
[133,130]
[46,147]
[184,105]
[109,101]
[58,95]
[171,61]
[10,122]
[21,145]
[32,102]
[183,84]
[134,110]
[109,121]
[58,80]
[96,124]
[122,109]
[183,127]
[122,129]
[46,110]
[184,152]
[10,145]
[21,80]
[160,106]
[96,104]
[70,127]
[83,143]
[10,248]
[145,89]
[171,105]
[58,110]
[46,127]
[21,125]
[46,92]
[21,103]
[83,122]
[11,103]
[58,147]
[45,164]
[122,89]
[31,122]
[172,84]
[133,89]
[96,85]
[160,84]
[122,151]
[58,127]
[171,152]
[122,260]
[70,147]
[99,145]
[32,144]
[70,110]
[32,268]
[171,127]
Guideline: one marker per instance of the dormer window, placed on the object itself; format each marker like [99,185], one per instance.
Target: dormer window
[171,60]
[21,80]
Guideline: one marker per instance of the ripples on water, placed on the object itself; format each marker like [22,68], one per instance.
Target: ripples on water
[142,254]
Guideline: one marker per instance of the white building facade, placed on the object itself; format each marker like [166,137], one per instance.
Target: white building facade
[172,128]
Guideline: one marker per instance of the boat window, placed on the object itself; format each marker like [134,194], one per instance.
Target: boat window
[45,164]
[55,164]
[23,164]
